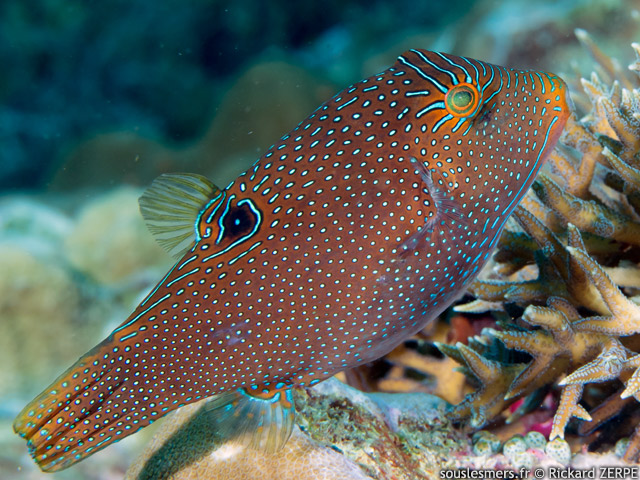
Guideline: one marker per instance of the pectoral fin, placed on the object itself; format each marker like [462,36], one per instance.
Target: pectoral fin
[263,421]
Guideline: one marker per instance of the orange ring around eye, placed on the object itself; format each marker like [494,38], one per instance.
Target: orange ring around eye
[462,100]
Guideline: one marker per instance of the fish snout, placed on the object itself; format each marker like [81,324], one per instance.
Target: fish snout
[558,105]
[559,92]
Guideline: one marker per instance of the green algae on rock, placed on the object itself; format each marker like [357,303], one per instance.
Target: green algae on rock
[345,434]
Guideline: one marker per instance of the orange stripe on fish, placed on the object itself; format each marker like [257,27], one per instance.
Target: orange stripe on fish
[346,237]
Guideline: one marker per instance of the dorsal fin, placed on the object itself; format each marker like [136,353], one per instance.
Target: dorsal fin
[171,206]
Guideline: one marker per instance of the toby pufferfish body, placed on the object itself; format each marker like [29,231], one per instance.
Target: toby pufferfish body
[347,236]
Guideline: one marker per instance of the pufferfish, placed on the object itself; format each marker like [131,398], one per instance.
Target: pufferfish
[347,236]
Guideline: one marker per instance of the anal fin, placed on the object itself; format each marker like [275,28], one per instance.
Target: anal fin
[260,419]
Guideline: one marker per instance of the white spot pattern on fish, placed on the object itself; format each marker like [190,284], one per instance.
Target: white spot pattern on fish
[347,236]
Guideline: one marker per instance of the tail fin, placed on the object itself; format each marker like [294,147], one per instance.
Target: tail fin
[108,395]
[87,408]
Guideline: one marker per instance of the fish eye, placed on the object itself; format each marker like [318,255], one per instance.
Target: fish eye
[462,100]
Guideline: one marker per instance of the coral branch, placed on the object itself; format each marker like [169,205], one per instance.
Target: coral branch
[568,408]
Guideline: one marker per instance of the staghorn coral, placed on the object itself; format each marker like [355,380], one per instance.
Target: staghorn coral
[571,265]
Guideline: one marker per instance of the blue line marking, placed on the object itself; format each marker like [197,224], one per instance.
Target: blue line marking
[137,317]
[256,227]
[459,124]
[103,441]
[234,260]
[347,103]
[441,122]
[264,179]
[535,166]
[127,337]
[489,82]
[437,84]
[485,225]
[453,64]
[475,68]
[454,79]
[541,83]
[432,106]
[213,200]
[417,93]
[189,260]
[221,219]
[158,286]
[182,276]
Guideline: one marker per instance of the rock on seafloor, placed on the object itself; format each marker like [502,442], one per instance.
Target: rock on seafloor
[39,301]
[39,297]
[68,275]
[110,242]
[64,278]
[301,458]
[343,433]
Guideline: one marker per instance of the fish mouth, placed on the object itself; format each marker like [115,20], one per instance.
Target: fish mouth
[556,81]
[559,84]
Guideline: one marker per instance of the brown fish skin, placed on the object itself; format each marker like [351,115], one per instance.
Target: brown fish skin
[349,235]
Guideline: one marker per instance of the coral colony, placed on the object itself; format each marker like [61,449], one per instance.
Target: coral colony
[571,264]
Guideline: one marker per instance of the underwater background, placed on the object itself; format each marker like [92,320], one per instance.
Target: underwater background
[97,98]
